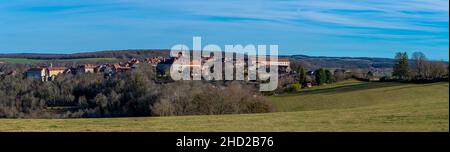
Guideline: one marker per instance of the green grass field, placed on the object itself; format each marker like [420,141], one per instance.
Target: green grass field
[345,106]
[29,61]
[19,60]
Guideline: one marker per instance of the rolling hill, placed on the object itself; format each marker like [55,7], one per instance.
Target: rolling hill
[345,106]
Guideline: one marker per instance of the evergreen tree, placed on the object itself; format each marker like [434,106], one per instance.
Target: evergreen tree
[329,76]
[301,75]
[321,77]
[401,67]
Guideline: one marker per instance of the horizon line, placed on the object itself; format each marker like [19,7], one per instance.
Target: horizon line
[159,49]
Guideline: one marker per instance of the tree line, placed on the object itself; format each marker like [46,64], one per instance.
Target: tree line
[420,70]
[303,79]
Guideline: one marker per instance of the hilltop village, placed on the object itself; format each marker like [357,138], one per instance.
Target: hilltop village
[50,73]
[161,64]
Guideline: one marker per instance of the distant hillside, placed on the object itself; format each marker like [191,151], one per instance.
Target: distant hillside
[99,54]
[313,62]
[310,62]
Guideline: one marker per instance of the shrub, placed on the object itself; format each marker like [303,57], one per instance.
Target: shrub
[293,87]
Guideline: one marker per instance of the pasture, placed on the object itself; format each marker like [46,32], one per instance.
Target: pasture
[344,106]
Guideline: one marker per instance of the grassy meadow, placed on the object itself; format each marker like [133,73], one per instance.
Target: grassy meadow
[19,60]
[344,106]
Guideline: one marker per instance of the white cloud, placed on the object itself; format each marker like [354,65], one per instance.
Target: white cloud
[405,14]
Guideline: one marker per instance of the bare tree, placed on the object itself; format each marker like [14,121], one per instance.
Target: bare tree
[438,69]
[420,65]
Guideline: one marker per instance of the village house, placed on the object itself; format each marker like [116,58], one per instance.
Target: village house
[44,74]
[37,73]
[52,72]
[134,61]
[49,74]
[154,61]
[55,71]
[86,68]
[282,63]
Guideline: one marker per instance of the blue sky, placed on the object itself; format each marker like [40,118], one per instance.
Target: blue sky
[374,28]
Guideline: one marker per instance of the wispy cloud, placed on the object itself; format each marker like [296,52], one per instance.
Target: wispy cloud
[407,15]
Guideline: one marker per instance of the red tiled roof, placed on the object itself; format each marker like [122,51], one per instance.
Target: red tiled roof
[87,66]
[56,68]
[283,60]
